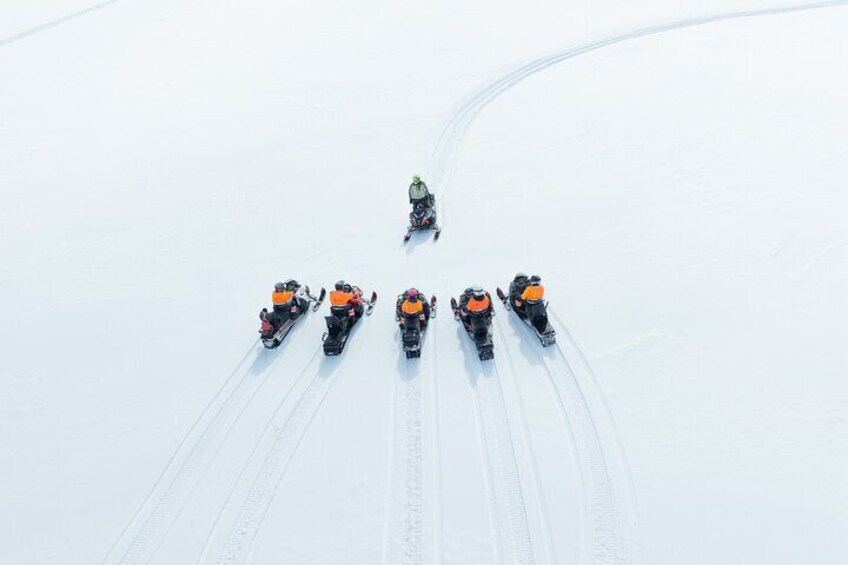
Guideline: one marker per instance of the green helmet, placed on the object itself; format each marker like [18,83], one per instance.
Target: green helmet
[416,179]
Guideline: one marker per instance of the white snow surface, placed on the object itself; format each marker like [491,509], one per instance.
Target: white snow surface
[675,176]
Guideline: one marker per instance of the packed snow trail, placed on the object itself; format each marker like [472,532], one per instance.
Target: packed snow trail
[510,528]
[542,522]
[436,458]
[412,469]
[288,432]
[404,516]
[442,161]
[149,525]
[608,484]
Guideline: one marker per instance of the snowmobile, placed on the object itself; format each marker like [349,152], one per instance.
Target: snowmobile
[535,315]
[423,218]
[273,336]
[340,324]
[412,334]
[479,329]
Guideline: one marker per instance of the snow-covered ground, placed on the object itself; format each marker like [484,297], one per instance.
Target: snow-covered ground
[678,182]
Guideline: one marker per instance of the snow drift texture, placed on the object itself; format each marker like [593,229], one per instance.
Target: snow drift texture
[676,176]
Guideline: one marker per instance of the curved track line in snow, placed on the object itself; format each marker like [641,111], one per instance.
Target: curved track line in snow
[150,525]
[512,540]
[604,413]
[253,453]
[140,529]
[248,522]
[546,533]
[608,486]
[53,23]
[441,166]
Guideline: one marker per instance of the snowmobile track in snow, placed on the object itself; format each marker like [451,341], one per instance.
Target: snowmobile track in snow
[510,528]
[608,485]
[404,535]
[544,533]
[53,23]
[276,460]
[441,164]
[407,469]
[140,539]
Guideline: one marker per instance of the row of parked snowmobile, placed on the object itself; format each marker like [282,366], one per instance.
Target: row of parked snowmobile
[413,313]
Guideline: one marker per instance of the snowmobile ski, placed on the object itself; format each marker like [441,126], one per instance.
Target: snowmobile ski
[504,298]
[369,304]
[319,300]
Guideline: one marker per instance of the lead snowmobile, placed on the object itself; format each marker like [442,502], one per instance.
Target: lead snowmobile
[423,215]
[526,300]
[277,324]
[413,314]
[347,307]
[474,310]
[422,218]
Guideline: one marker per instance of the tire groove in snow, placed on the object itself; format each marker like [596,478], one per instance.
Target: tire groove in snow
[442,161]
[251,513]
[143,535]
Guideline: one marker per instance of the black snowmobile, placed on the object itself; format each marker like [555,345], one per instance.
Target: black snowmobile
[423,218]
[535,315]
[412,333]
[479,329]
[339,325]
[276,326]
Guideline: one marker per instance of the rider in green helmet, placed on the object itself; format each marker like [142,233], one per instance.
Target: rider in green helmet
[419,194]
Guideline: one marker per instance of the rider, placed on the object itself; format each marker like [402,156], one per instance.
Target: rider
[287,304]
[475,302]
[516,288]
[412,303]
[346,300]
[533,291]
[419,194]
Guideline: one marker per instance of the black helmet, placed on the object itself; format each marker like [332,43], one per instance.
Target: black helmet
[469,291]
[280,286]
[340,284]
[292,284]
[347,287]
[535,279]
[520,277]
